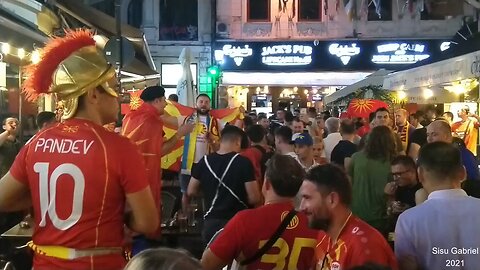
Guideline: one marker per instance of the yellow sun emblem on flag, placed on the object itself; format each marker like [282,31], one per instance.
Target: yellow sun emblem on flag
[135,101]
[201,129]
[132,133]
[362,105]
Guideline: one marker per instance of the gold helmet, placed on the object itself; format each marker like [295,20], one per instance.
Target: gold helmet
[68,68]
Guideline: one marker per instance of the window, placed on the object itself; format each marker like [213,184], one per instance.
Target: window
[171,74]
[428,15]
[441,10]
[105,6]
[258,10]
[169,91]
[179,20]
[135,13]
[309,10]
[385,11]
[9,101]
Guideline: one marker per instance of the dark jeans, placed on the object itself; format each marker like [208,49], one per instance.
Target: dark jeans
[210,227]
[184,180]
[141,243]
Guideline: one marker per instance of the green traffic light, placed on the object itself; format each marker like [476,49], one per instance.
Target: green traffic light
[213,70]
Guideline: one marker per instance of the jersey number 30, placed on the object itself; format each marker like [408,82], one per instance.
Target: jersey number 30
[48,193]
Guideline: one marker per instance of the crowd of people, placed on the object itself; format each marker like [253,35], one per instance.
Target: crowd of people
[290,191]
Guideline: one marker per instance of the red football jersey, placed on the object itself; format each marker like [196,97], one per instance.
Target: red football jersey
[250,229]
[78,174]
[357,244]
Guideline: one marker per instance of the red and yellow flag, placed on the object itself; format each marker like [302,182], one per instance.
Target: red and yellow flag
[363,107]
[174,116]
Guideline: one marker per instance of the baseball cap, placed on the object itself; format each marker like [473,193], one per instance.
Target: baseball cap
[302,139]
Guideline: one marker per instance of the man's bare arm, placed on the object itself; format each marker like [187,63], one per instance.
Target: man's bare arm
[210,261]
[253,193]
[3,137]
[169,144]
[14,195]
[193,187]
[144,217]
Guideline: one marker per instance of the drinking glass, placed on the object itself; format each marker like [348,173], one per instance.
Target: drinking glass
[192,210]
[182,221]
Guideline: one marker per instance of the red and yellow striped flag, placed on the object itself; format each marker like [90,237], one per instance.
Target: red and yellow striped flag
[175,113]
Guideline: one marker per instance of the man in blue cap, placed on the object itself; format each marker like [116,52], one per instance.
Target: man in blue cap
[304,149]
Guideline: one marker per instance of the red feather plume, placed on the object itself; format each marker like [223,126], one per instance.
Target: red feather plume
[40,75]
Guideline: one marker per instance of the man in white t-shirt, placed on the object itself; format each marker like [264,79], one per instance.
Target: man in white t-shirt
[333,127]
[202,141]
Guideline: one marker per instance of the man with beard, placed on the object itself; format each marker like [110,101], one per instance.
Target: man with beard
[403,128]
[203,140]
[346,241]
[246,232]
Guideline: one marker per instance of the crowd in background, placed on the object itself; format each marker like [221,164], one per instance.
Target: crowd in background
[376,158]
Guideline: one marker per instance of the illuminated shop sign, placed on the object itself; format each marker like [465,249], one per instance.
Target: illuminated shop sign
[344,52]
[287,55]
[400,53]
[237,53]
[328,55]
[445,45]
[262,97]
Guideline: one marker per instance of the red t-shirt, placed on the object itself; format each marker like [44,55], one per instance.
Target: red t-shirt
[78,174]
[255,157]
[250,229]
[363,130]
[357,244]
[144,127]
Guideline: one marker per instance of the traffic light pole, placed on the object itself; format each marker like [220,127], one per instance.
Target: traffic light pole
[118,25]
[212,51]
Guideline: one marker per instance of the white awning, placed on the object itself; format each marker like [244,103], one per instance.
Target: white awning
[443,72]
[375,78]
[292,78]
[436,95]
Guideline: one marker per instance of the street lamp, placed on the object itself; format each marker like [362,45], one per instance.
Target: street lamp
[5,48]
[35,57]
[21,53]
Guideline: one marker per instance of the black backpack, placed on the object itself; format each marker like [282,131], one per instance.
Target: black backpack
[265,157]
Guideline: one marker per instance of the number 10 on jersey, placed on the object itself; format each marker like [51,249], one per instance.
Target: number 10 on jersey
[48,193]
